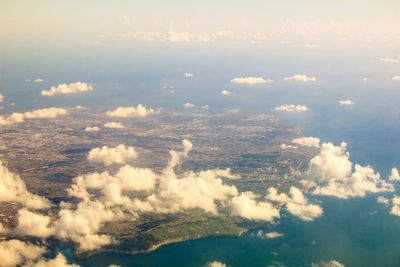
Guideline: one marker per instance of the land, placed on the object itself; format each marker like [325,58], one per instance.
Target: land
[49,153]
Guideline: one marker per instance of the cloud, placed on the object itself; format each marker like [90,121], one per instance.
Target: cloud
[32,224]
[365,79]
[71,88]
[383,200]
[1,98]
[311,46]
[114,125]
[246,206]
[187,74]
[215,264]
[285,146]
[185,37]
[333,171]
[296,203]
[205,107]
[292,108]
[389,60]
[45,113]
[124,112]
[225,92]
[346,102]
[92,129]
[189,105]
[13,188]
[332,263]
[396,206]
[58,261]
[300,78]
[145,36]
[109,156]
[15,252]
[307,141]
[273,235]
[394,176]
[250,80]
[38,80]
[396,78]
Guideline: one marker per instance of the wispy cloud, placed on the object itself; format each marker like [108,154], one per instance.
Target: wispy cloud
[301,78]
[292,108]
[250,80]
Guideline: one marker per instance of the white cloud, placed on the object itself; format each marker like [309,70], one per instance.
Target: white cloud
[312,46]
[108,156]
[92,129]
[58,261]
[225,92]
[215,264]
[332,169]
[71,88]
[301,78]
[396,206]
[124,112]
[332,263]
[187,74]
[246,206]
[250,80]
[389,60]
[297,204]
[15,252]
[205,107]
[177,37]
[396,78]
[346,102]
[292,108]
[273,235]
[189,105]
[383,200]
[1,98]
[365,79]
[394,176]
[13,188]
[307,141]
[32,224]
[285,146]
[45,113]
[114,125]
[38,80]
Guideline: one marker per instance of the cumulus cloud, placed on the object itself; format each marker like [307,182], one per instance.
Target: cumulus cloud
[1,98]
[273,235]
[13,188]
[58,261]
[215,264]
[225,92]
[32,224]
[389,60]
[307,141]
[188,74]
[333,171]
[114,125]
[394,176]
[178,37]
[383,200]
[292,108]
[296,203]
[124,112]
[346,102]
[92,129]
[71,88]
[108,156]
[301,78]
[38,80]
[396,206]
[250,80]
[15,252]
[45,113]
[246,206]
[189,105]
[396,78]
